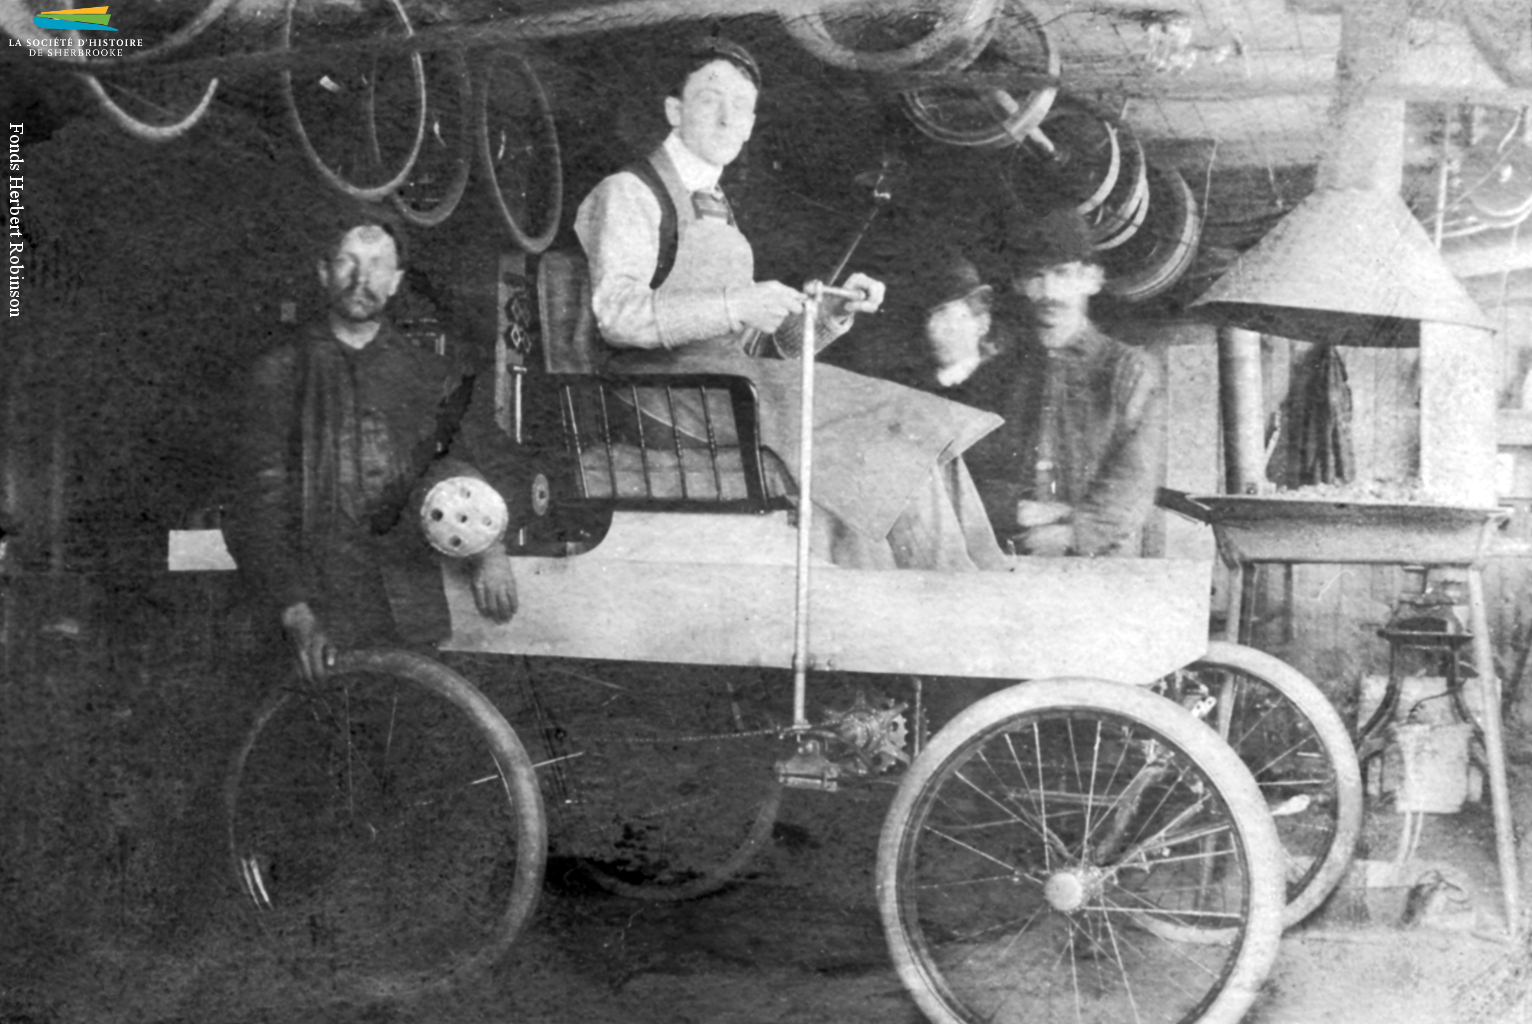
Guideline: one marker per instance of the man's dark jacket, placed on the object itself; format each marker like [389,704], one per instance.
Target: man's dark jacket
[1096,411]
[336,449]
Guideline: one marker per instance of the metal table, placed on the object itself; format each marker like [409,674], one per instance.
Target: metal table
[1252,530]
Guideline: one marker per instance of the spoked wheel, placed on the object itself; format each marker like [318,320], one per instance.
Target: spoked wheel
[992,117]
[1075,156]
[1078,850]
[1162,250]
[439,177]
[519,150]
[1495,176]
[1293,741]
[1122,213]
[360,116]
[386,827]
[151,107]
[868,36]
[662,777]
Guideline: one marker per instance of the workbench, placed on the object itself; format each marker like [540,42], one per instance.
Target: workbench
[1254,530]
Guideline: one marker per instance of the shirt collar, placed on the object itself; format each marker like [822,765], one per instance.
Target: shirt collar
[695,173]
[1085,344]
[953,374]
[387,337]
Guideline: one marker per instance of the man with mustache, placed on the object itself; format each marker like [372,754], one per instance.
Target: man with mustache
[346,426]
[1085,420]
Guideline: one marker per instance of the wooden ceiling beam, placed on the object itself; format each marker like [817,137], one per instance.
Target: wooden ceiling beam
[583,20]
[1235,90]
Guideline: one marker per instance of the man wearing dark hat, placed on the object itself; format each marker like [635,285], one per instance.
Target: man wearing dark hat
[968,352]
[1085,419]
[673,289]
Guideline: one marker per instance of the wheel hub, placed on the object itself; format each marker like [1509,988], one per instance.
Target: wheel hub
[1069,890]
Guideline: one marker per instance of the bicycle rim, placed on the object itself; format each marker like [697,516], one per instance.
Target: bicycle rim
[1052,852]
[519,150]
[665,787]
[386,830]
[1297,747]
[336,114]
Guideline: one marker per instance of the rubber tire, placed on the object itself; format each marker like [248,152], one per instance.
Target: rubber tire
[1106,180]
[1251,825]
[140,129]
[521,790]
[1310,702]
[1008,130]
[707,883]
[531,238]
[437,214]
[953,40]
[1122,213]
[295,119]
[660,801]
[1163,249]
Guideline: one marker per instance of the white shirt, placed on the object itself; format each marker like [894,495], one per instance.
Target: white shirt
[695,173]
[953,374]
[619,227]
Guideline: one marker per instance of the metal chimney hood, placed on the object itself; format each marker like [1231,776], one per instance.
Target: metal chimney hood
[1348,266]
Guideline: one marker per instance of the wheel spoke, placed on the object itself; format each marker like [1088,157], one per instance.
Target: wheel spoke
[335,110]
[519,149]
[368,826]
[1135,897]
[1300,752]
[672,792]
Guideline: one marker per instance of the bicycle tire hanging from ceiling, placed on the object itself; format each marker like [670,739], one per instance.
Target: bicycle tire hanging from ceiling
[335,102]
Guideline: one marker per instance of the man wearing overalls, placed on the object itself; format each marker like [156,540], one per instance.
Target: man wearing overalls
[888,469]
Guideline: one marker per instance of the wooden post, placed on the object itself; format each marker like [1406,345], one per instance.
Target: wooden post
[1494,751]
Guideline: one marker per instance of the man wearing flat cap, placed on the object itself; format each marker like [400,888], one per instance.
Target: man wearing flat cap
[1085,417]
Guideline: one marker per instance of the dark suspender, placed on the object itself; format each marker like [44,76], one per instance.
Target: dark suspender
[669,233]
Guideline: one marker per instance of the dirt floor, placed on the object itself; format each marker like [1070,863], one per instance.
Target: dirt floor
[117,910]
[798,941]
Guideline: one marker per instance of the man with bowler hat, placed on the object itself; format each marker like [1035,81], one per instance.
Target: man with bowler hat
[1085,416]
[961,339]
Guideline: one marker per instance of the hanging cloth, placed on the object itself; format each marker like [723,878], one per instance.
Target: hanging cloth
[1326,452]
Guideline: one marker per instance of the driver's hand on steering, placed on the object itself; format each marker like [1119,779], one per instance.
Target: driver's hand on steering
[1053,541]
[316,654]
[764,304]
[1041,513]
[872,295]
[494,584]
